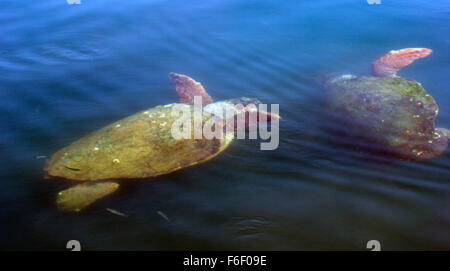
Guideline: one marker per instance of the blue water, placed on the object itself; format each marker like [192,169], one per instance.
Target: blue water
[67,70]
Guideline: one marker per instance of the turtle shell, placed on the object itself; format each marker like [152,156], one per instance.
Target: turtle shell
[393,111]
[138,146]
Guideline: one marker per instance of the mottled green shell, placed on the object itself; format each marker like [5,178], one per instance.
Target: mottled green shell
[395,111]
[139,146]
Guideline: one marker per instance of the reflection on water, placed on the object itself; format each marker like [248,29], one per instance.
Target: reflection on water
[67,70]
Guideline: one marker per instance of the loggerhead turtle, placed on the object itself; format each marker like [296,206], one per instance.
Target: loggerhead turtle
[394,112]
[140,146]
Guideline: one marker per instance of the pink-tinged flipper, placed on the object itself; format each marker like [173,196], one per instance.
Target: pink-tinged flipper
[392,62]
[260,117]
[188,88]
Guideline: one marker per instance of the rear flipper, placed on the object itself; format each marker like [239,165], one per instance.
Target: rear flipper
[392,62]
[81,196]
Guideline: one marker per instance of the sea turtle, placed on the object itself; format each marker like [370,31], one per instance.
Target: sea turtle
[142,146]
[394,112]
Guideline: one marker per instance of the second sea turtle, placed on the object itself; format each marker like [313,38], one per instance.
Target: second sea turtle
[394,112]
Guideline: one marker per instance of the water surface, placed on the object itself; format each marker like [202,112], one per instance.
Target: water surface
[67,70]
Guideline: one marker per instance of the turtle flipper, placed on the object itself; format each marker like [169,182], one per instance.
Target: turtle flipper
[81,196]
[444,132]
[188,88]
[392,62]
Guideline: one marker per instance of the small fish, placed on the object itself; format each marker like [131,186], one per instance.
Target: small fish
[163,215]
[116,212]
[41,157]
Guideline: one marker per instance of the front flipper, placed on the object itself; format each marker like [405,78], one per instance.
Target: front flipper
[188,88]
[392,62]
[81,196]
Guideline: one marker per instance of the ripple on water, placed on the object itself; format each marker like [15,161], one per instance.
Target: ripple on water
[249,226]
[72,52]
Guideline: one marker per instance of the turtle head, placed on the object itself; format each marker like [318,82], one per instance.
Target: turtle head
[443,137]
[446,132]
[436,145]
[67,165]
